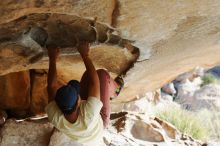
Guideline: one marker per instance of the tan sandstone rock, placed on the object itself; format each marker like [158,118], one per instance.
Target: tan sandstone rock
[15,91]
[89,8]
[146,132]
[25,133]
[175,36]
[171,131]
[39,97]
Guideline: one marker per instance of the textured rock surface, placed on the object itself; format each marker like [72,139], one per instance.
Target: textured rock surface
[25,133]
[24,93]
[64,31]
[135,129]
[175,36]
[39,97]
[148,132]
[181,35]
[102,9]
[15,91]
[169,129]
[124,130]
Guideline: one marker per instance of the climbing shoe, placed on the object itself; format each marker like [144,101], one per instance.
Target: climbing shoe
[119,80]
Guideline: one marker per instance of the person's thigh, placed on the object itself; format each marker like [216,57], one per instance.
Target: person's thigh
[107,88]
[104,79]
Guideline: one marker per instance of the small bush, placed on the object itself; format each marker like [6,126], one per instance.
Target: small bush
[210,79]
[186,122]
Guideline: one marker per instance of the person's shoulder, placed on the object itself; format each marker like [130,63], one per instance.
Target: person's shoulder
[51,104]
[52,110]
[93,98]
[92,106]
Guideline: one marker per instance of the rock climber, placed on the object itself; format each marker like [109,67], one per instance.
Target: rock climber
[81,110]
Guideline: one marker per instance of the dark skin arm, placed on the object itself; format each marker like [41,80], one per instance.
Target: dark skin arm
[52,84]
[94,85]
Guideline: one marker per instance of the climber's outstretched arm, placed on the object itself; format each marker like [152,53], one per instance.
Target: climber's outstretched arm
[52,84]
[94,85]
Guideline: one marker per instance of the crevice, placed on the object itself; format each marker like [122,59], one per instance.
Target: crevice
[115,13]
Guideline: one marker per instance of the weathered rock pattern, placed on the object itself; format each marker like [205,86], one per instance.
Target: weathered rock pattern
[184,34]
[39,97]
[63,31]
[26,133]
[169,129]
[15,91]
[150,42]
[24,93]
[102,9]
[125,129]
[177,33]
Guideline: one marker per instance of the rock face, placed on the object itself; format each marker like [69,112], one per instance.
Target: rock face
[174,36]
[102,9]
[148,133]
[149,42]
[15,91]
[25,93]
[180,31]
[25,133]
[124,129]
[170,130]
[39,97]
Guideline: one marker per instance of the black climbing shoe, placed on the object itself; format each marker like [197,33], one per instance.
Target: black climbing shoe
[119,80]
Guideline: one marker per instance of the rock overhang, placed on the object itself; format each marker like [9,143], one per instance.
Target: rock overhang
[174,37]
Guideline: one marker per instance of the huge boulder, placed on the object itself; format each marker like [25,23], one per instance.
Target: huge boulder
[166,43]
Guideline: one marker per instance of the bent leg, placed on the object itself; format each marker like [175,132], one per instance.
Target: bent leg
[107,89]
[105,92]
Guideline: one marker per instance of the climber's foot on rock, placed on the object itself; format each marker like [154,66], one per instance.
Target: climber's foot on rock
[120,82]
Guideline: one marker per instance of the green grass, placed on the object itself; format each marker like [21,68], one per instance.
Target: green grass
[186,122]
[210,79]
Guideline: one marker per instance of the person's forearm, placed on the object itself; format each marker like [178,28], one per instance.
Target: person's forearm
[94,85]
[91,69]
[52,78]
[52,73]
